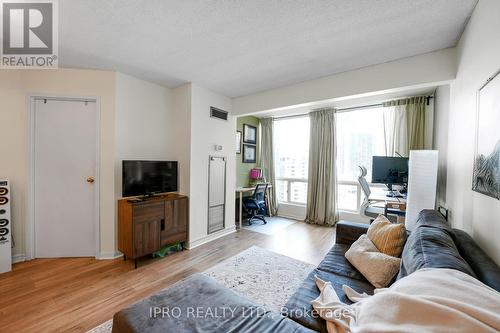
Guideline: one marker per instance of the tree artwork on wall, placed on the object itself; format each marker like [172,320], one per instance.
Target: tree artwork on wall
[486,175]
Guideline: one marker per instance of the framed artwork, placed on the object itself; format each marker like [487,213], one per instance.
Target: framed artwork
[249,134]
[249,153]
[238,142]
[486,174]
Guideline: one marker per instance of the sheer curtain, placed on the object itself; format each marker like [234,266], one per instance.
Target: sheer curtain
[322,178]
[404,125]
[395,130]
[267,160]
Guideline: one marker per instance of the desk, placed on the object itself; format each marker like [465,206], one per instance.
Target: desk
[242,190]
[392,205]
[381,195]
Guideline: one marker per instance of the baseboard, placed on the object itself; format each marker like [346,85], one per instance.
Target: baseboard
[291,217]
[109,255]
[211,237]
[292,211]
[20,257]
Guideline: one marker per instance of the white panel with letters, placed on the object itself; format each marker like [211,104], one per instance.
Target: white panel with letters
[5,227]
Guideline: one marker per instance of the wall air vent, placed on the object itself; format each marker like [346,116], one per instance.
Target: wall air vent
[218,113]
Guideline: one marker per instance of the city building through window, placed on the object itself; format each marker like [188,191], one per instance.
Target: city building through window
[291,157]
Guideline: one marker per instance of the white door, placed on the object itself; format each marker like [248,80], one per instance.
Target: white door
[65,164]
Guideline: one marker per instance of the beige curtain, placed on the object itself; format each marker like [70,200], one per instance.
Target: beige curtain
[267,160]
[322,179]
[404,125]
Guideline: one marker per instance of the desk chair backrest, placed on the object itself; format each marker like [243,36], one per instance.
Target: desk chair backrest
[366,189]
[362,181]
[259,194]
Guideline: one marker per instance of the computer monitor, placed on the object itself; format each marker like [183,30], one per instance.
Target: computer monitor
[390,170]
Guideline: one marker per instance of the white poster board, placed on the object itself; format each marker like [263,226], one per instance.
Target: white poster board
[422,182]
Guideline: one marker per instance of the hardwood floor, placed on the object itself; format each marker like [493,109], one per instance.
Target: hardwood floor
[77,294]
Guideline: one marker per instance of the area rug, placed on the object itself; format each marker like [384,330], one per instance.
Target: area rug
[274,225]
[105,327]
[267,278]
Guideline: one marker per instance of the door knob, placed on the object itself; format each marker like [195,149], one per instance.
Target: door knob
[90,179]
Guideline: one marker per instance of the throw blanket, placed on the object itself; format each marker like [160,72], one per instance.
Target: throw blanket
[429,300]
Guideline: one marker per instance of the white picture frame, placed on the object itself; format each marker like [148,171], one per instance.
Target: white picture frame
[238,142]
[486,172]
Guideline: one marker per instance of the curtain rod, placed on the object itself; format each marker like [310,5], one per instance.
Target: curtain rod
[340,110]
[64,99]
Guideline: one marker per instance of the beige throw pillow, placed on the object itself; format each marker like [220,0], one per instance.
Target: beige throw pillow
[377,267]
[389,238]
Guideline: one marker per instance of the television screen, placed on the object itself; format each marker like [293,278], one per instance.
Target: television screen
[148,177]
[390,170]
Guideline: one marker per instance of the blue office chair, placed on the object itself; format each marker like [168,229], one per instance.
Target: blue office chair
[255,205]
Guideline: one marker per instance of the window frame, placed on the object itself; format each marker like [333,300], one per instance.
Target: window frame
[359,194]
[288,181]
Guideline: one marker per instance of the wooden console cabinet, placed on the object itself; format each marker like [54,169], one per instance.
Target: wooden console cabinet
[145,226]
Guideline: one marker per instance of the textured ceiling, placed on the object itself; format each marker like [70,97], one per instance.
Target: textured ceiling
[241,47]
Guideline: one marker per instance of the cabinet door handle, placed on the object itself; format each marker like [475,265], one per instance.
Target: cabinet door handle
[162,221]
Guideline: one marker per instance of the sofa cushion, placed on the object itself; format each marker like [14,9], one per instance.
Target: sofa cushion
[377,267]
[200,304]
[431,246]
[486,270]
[299,306]
[388,237]
[433,218]
[335,262]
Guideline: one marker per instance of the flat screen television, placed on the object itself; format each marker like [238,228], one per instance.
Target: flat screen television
[390,170]
[148,177]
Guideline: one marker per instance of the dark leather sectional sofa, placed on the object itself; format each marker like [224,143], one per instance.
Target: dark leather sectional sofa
[433,243]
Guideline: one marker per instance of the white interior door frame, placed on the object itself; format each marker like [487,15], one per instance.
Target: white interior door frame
[30,191]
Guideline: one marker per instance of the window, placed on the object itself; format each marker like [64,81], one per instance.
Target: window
[360,135]
[291,158]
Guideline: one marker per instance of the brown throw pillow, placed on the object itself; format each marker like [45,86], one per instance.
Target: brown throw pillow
[389,238]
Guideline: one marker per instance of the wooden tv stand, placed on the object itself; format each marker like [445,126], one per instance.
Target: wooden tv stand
[145,225]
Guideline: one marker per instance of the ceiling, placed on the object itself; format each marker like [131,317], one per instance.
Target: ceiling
[240,47]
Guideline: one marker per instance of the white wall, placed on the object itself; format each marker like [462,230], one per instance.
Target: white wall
[205,133]
[441,119]
[297,212]
[142,123]
[151,123]
[478,58]
[179,133]
[428,68]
